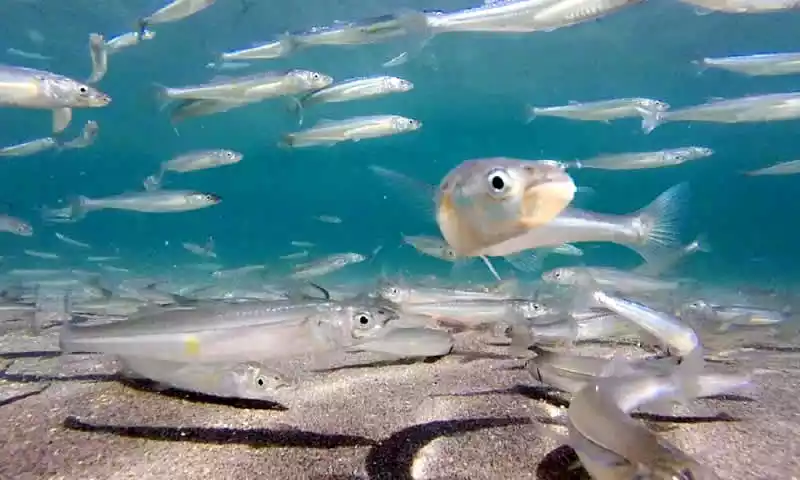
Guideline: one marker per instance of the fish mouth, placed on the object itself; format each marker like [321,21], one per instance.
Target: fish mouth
[101,101]
[543,201]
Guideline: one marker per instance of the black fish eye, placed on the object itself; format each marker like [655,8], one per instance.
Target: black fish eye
[260,382]
[498,183]
[363,320]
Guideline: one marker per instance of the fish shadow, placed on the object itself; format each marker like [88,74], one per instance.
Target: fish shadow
[37,378]
[392,457]
[31,354]
[561,464]
[379,363]
[256,438]
[149,386]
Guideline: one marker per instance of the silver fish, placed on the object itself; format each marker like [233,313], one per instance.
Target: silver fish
[617,280]
[278,48]
[38,89]
[159,201]
[744,6]
[258,86]
[756,108]
[99,56]
[191,162]
[85,139]
[600,111]
[641,160]
[126,40]
[249,380]
[327,265]
[15,225]
[765,64]
[331,132]
[173,11]
[786,168]
[353,89]
[71,241]
[29,148]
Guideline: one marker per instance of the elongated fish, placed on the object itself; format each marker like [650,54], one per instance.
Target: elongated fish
[642,160]
[785,168]
[38,89]
[192,162]
[331,132]
[744,6]
[99,57]
[159,201]
[600,111]
[172,12]
[85,139]
[757,108]
[765,64]
[29,148]
[126,40]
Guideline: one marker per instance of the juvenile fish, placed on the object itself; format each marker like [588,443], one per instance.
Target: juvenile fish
[564,13]
[353,89]
[277,48]
[363,32]
[757,108]
[29,148]
[484,202]
[206,250]
[99,56]
[126,40]
[601,111]
[514,16]
[329,219]
[192,162]
[43,255]
[258,86]
[159,201]
[71,241]
[766,64]
[38,89]
[248,380]
[745,6]
[617,280]
[85,139]
[172,12]
[642,160]
[15,225]
[786,168]
[611,444]
[734,315]
[327,265]
[331,132]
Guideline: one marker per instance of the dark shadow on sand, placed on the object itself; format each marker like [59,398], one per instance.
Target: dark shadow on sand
[32,354]
[193,397]
[36,378]
[561,464]
[22,396]
[378,363]
[256,438]
[392,458]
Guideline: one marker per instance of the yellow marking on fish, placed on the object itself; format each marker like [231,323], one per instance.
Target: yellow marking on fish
[192,346]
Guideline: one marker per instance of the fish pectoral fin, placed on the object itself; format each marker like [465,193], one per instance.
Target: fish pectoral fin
[61,119]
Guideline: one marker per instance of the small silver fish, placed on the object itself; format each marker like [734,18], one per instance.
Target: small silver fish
[331,132]
[159,201]
[86,139]
[15,225]
[99,56]
[71,241]
[327,265]
[280,47]
[786,168]
[173,11]
[39,254]
[192,162]
[642,160]
[29,148]
[601,111]
[765,64]
[38,89]
[126,40]
[745,6]
[756,108]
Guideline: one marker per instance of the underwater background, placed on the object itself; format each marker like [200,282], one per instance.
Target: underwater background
[470,94]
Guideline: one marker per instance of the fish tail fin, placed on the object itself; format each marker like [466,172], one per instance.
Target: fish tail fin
[526,261]
[79,206]
[162,96]
[651,119]
[418,33]
[141,28]
[659,222]
[700,244]
[296,107]
[530,113]
[288,43]
[153,182]
[287,141]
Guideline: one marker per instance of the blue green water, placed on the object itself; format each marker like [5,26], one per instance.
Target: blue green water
[470,93]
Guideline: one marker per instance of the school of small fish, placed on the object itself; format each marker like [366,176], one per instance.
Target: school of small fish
[221,337]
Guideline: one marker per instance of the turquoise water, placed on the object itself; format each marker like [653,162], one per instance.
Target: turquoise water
[471,91]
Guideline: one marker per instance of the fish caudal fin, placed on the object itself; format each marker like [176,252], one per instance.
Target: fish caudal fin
[530,113]
[79,207]
[651,119]
[660,222]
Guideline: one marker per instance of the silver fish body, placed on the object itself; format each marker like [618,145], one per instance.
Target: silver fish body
[29,148]
[331,132]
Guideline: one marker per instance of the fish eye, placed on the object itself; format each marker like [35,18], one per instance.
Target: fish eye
[83,89]
[499,181]
[260,381]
